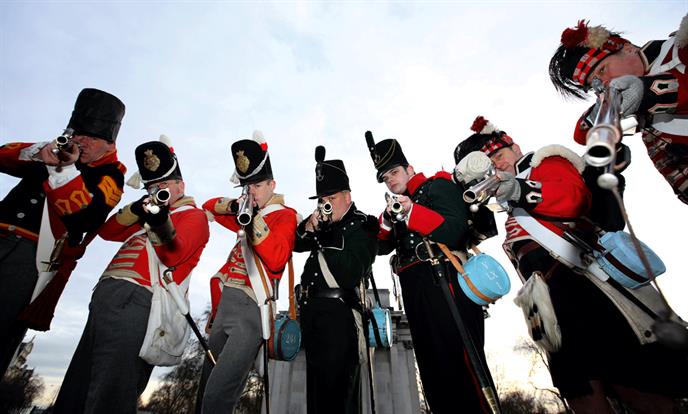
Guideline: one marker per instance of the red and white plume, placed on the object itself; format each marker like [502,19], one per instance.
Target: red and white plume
[483,126]
[585,36]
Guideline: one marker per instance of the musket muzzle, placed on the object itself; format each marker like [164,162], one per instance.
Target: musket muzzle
[601,145]
[606,131]
[245,213]
[326,208]
[481,191]
[161,197]
[63,141]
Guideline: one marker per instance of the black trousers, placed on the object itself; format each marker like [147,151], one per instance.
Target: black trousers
[448,378]
[18,276]
[332,369]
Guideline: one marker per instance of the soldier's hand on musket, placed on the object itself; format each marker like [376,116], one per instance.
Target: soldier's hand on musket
[233,205]
[406,204]
[313,222]
[632,90]
[137,206]
[51,155]
[509,189]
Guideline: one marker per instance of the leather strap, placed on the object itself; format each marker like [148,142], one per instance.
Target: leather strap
[292,307]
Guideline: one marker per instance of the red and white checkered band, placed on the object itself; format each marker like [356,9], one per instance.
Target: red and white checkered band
[587,62]
[497,143]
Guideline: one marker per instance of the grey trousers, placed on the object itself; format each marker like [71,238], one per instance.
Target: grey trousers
[106,374]
[18,275]
[235,340]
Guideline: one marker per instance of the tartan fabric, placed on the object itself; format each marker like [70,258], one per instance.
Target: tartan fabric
[586,63]
[669,160]
[497,143]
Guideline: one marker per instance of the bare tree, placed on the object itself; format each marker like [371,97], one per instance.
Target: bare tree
[538,360]
[18,389]
[177,394]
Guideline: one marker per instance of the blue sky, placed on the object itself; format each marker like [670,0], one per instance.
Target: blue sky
[310,73]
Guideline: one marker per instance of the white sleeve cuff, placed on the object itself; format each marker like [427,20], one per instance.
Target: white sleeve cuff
[408,215]
[385,224]
[58,179]
[28,153]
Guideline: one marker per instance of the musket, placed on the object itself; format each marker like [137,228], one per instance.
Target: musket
[245,212]
[477,166]
[326,210]
[62,143]
[605,134]
[479,366]
[483,190]
[176,294]
[395,207]
[158,198]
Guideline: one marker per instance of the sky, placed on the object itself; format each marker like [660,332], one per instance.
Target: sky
[209,73]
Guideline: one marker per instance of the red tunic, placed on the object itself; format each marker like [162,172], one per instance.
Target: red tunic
[183,253]
[564,193]
[80,205]
[273,247]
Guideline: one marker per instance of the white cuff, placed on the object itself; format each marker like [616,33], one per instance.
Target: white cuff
[58,179]
[408,215]
[386,224]
[28,153]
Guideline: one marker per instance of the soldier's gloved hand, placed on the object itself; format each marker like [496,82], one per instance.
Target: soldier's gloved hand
[233,206]
[387,217]
[632,90]
[509,189]
[155,220]
[137,206]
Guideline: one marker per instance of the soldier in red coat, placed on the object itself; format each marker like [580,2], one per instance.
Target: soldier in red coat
[598,338]
[653,82]
[106,373]
[237,290]
[63,193]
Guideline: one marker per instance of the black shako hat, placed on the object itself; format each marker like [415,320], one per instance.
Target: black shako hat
[251,160]
[157,162]
[330,175]
[386,154]
[97,114]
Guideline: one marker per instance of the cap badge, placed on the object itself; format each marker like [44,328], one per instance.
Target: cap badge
[319,174]
[242,162]
[150,161]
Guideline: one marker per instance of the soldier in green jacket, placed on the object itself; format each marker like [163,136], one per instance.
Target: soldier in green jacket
[342,242]
[433,210]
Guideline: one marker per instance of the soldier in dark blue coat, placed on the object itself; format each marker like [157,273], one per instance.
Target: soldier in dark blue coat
[342,242]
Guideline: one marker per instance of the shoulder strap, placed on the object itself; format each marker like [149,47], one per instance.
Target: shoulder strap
[558,247]
[292,306]
[329,277]
[270,209]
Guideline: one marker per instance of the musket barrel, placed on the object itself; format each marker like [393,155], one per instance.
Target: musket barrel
[481,191]
[602,138]
[326,208]
[161,197]
[245,213]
